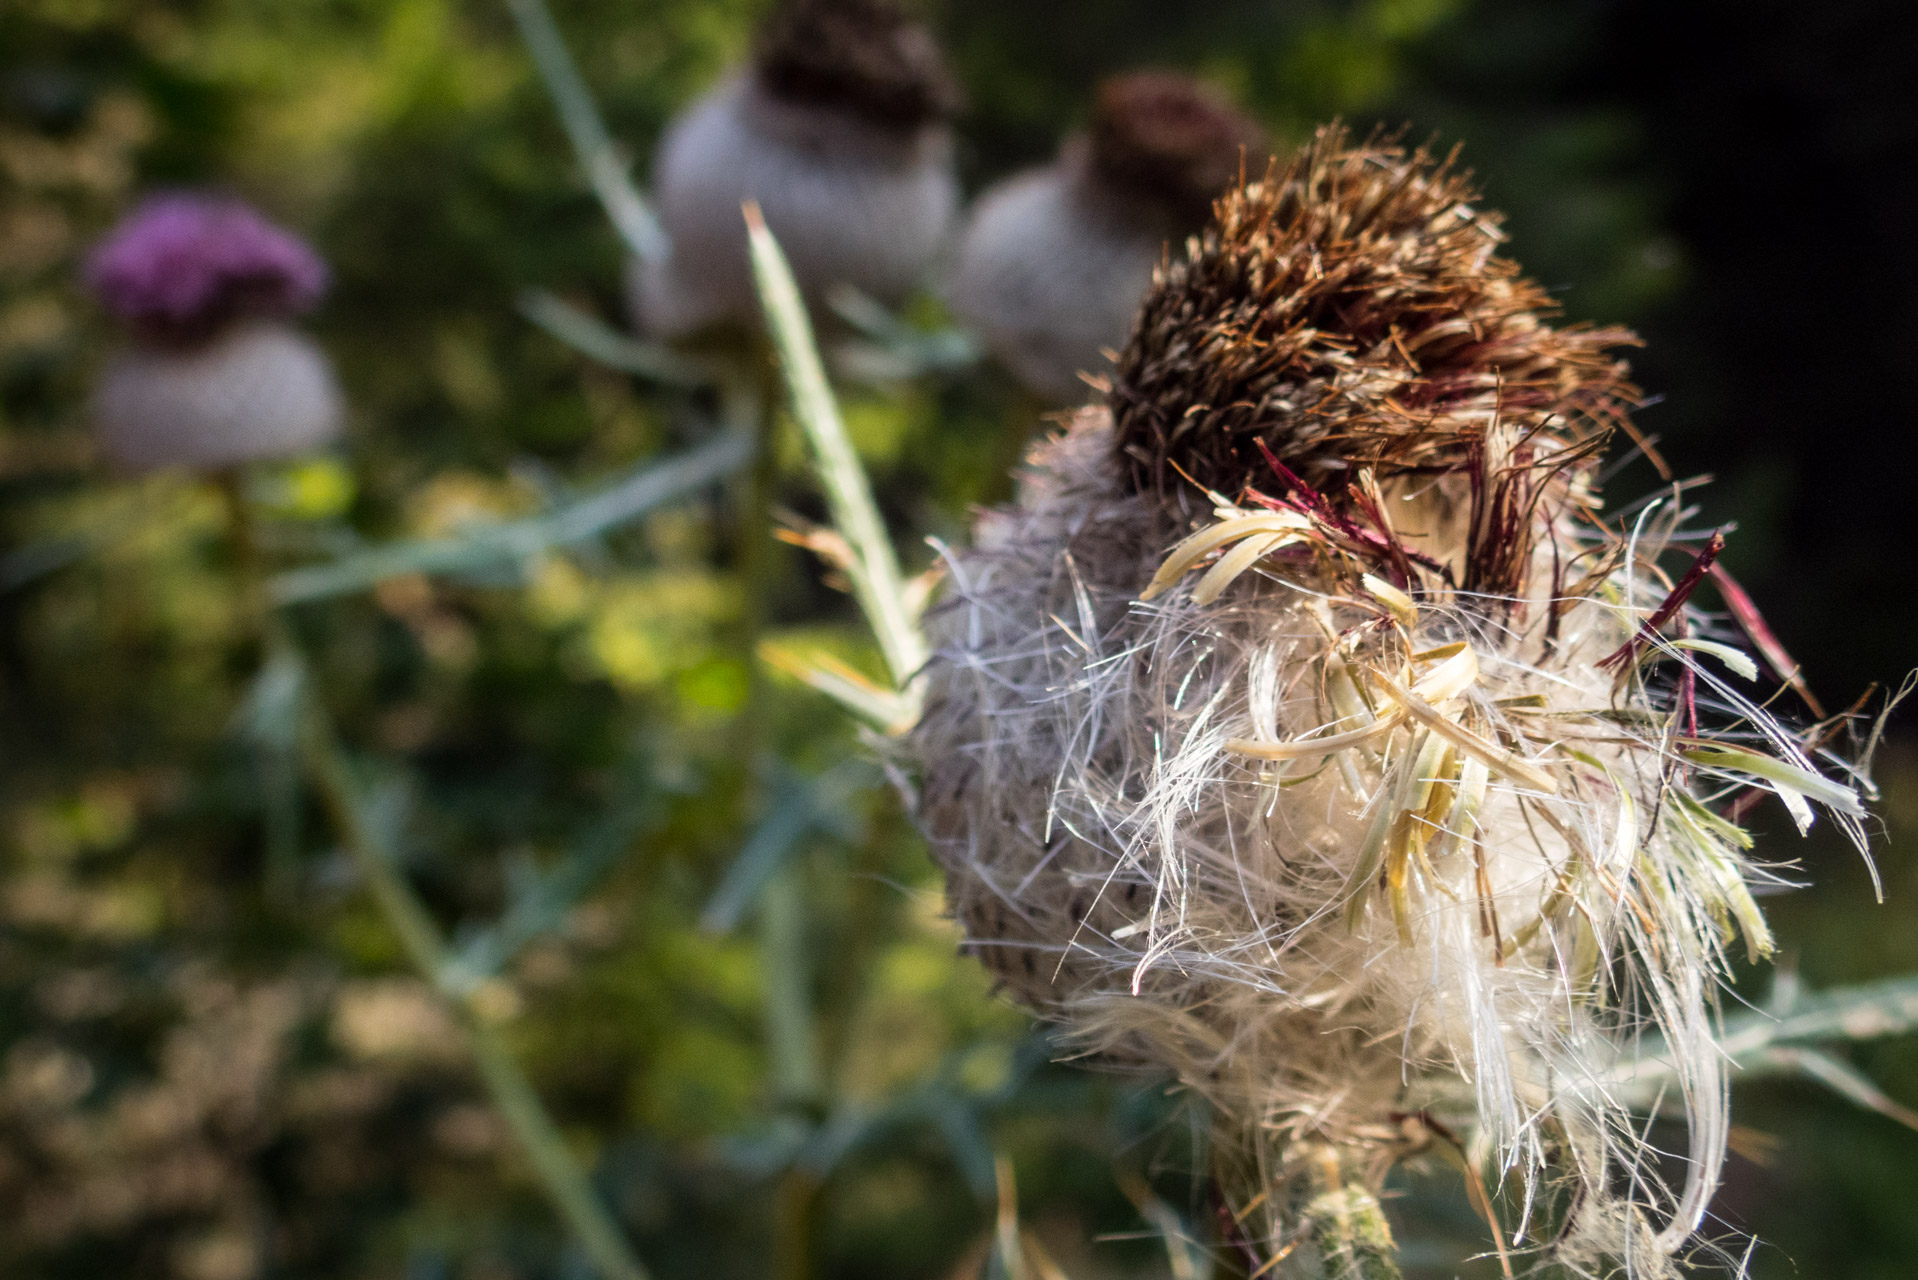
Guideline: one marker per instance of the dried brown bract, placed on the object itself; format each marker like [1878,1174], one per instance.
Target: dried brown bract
[1350,311]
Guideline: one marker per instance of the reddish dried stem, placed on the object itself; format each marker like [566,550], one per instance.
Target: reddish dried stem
[1752,623]
[1674,601]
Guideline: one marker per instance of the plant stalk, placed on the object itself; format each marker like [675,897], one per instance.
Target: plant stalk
[789,1017]
[795,1205]
[565,1183]
[750,407]
[789,1014]
[261,636]
[606,168]
[792,1047]
[249,562]
[1344,1224]
[325,764]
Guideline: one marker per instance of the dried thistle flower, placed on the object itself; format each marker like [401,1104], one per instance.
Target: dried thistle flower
[1054,262]
[215,375]
[838,130]
[1375,786]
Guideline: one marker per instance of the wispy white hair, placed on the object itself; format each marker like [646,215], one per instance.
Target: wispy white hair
[1460,915]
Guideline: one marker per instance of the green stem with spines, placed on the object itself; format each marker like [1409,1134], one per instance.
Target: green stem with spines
[873,568]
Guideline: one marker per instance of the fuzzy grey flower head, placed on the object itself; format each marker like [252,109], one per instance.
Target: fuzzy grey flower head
[1054,262]
[838,131]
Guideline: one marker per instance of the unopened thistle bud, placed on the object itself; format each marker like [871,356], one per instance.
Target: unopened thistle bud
[838,129]
[1054,262]
[1306,730]
[214,375]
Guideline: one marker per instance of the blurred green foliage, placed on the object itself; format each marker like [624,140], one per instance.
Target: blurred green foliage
[213,1074]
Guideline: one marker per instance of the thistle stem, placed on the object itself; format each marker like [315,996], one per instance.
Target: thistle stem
[565,1183]
[262,635]
[789,1015]
[782,912]
[792,1047]
[249,567]
[795,1204]
[750,407]
[325,764]
[1343,1220]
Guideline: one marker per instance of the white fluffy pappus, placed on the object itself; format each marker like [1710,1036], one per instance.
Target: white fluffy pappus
[258,389]
[1368,868]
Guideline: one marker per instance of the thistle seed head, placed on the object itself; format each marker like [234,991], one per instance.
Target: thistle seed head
[838,131]
[1395,784]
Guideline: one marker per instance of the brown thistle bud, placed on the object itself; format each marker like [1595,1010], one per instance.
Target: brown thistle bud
[867,57]
[1169,140]
[1351,311]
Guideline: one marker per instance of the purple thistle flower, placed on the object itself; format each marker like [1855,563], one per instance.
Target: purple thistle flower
[182,266]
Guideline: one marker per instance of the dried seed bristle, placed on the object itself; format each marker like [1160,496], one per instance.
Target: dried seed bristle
[868,57]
